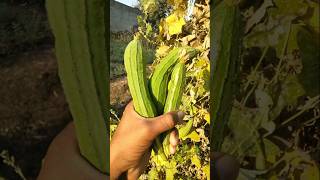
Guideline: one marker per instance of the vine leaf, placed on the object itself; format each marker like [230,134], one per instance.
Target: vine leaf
[194,136]
[196,161]
[315,18]
[171,170]
[258,15]
[206,170]
[310,172]
[174,24]
[272,32]
[292,90]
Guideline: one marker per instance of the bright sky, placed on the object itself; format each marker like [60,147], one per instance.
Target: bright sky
[129,2]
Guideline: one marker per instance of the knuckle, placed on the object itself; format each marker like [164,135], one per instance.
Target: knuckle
[170,116]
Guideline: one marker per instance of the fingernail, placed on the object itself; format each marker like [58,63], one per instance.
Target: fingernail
[180,115]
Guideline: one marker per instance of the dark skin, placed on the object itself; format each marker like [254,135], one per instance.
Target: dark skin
[127,157]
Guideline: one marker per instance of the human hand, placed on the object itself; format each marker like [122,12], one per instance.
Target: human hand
[63,159]
[130,145]
[224,167]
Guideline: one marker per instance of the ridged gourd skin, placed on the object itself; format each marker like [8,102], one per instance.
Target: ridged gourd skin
[81,47]
[173,100]
[159,80]
[225,60]
[137,82]
[175,88]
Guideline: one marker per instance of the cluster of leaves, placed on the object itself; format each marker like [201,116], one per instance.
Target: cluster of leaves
[278,107]
[174,30]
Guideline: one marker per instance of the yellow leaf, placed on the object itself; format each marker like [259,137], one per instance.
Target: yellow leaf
[175,2]
[174,24]
[194,136]
[150,6]
[206,170]
[205,114]
[162,27]
[196,161]
[162,50]
[310,172]
[207,117]
[171,170]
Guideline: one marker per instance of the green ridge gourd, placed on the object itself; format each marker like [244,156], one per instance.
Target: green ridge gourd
[225,58]
[81,40]
[137,82]
[159,80]
[173,100]
[136,74]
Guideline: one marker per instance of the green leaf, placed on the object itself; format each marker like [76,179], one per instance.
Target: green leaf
[171,170]
[315,18]
[258,15]
[272,32]
[297,8]
[292,90]
[153,174]
[243,127]
[272,151]
[260,160]
[310,172]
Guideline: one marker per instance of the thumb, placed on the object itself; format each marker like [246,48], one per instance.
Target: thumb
[166,121]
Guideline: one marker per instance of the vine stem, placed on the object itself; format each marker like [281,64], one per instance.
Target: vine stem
[282,55]
[311,120]
[244,101]
[257,66]
[299,113]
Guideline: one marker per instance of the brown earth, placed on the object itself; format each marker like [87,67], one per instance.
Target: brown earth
[32,107]
[119,94]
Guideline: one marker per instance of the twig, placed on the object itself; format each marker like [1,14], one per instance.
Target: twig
[244,101]
[282,55]
[257,66]
[300,112]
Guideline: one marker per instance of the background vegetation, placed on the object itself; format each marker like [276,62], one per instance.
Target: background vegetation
[274,125]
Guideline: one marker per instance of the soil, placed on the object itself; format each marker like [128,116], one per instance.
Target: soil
[33,109]
[119,94]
